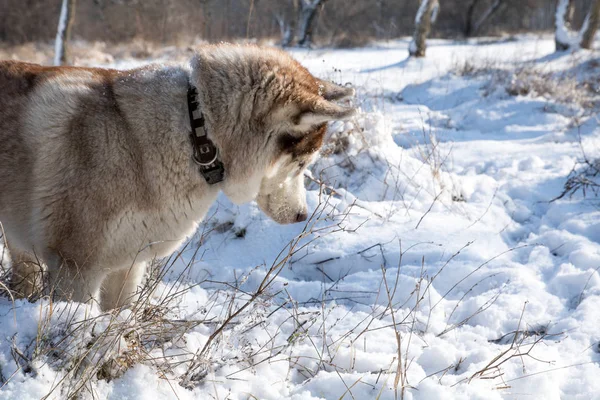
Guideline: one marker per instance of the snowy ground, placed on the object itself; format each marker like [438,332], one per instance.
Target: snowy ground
[435,200]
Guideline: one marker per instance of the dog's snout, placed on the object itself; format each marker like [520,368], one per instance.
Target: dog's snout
[301,216]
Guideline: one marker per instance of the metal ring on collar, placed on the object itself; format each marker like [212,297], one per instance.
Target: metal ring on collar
[205,163]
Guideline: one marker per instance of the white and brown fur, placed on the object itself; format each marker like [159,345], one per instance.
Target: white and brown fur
[96,169]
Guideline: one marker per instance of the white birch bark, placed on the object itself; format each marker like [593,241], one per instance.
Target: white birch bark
[63,32]
[423,21]
[563,36]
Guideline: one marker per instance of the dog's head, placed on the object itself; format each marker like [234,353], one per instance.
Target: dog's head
[268,116]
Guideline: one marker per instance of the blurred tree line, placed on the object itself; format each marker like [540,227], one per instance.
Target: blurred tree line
[335,22]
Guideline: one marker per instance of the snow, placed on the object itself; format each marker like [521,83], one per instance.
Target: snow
[436,199]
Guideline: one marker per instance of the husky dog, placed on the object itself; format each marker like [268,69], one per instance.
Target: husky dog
[103,170]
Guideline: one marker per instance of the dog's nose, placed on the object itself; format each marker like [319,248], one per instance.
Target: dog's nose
[301,216]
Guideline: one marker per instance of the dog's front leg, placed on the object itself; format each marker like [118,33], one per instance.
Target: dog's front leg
[27,273]
[122,287]
[69,281]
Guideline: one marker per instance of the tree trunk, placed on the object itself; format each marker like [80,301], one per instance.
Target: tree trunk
[590,26]
[564,15]
[469,23]
[487,15]
[63,34]
[308,12]
[422,27]
[285,30]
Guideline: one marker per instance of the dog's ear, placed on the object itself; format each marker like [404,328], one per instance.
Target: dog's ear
[323,111]
[332,92]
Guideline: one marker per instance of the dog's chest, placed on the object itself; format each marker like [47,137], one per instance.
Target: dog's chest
[141,235]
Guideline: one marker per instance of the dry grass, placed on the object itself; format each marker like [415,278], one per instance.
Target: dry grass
[565,88]
[584,177]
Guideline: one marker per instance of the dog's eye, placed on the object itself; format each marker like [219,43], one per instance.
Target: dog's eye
[301,164]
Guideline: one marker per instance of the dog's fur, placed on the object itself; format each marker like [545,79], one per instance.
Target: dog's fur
[96,169]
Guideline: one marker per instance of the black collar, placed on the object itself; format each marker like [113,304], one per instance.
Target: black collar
[206,154]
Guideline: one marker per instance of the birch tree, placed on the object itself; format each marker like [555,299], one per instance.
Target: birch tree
[287,25]
[564,15]
[426,15]
[285,29]
[63,33]
[564,36]
[306,21]
[590,27]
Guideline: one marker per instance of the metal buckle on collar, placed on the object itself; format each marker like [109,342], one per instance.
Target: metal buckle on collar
[214,174]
